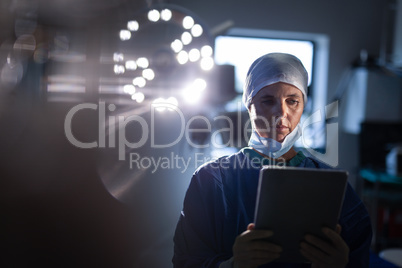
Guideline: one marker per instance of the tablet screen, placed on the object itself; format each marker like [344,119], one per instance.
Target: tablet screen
[295,201]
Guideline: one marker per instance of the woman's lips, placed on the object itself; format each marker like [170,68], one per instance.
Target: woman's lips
[282,129]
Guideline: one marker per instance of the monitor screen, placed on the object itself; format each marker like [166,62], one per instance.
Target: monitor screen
[241,51]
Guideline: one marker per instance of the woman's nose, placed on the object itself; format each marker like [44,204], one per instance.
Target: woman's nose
[281,110]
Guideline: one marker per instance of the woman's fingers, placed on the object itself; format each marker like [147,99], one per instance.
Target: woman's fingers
[252,248]
[332,253]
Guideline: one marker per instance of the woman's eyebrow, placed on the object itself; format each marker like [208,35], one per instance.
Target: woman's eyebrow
[266,96]
[294,95]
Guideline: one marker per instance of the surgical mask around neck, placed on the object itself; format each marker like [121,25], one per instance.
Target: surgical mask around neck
[271,147]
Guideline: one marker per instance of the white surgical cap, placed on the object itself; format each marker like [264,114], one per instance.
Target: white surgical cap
[273,68]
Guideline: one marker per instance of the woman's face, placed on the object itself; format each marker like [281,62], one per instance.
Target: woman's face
[276,110]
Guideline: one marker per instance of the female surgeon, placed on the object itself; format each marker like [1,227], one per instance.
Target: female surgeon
[215,228]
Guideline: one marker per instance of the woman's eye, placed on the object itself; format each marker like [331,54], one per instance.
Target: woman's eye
[293,102]
[268,101]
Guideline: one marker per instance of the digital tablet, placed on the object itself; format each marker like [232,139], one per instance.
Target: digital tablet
[295,201]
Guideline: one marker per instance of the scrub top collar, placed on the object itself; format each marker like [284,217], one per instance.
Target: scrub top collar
[294,162]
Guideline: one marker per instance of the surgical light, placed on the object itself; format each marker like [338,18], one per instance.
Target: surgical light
[131,65]
[148,74]
[190,43]
[142,62]
[191,96]
[196,30]
[172,101]
[159,104]
[118,57]
[139,81]
[207,63]
[188,22]
[129,89]
[194,55]
[166,14]
[138,97]
[162,104]
[118,69]
[206,51]
[193,93]
[182,57]
[133,25]
[186,38]
[154,15]
[199,84]
[177,45]
[125,35]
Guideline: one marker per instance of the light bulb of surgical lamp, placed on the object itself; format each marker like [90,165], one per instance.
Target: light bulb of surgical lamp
[192,96]
[196,30]
[159,104]
[207,63]
[194,55]
[131,65]
[138,97]
[176,45]
[129,89]
[188,22]
[118,57]
[186,38]
[182,57]
[172,101]
[142,62]
[206,51]
[133,25]
[148,74]
[154,15]
[199,84]
[139,81]
[166,14]
[125,35]
[119,69]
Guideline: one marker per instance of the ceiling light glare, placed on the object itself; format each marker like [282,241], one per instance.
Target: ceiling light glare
[148,74]
[125,35]
[192,96]
[159,104]
[173,101]
[119,69]
[25,42]
[196,30]
[199,84]
[131,65]
[129,89]
[176,45]
[186,38]
[166,14]
[142,62]
[194,55]
[188,22]
[154,15]
[139,81]
[182,57]
[117,57]
[207,63]
[194,93]
[133,25]
[138,97]
[206,51]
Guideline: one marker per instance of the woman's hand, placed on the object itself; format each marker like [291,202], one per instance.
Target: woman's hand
[251,250]
[324,254]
